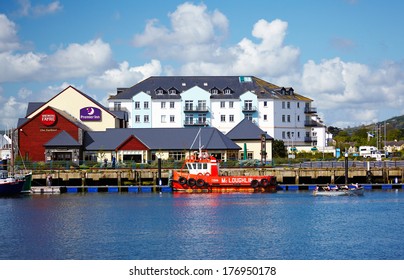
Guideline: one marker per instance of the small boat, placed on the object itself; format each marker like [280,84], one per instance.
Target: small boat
[202,175]
[10,185]
[354,189]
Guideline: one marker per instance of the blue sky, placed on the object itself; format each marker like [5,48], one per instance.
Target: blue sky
[347,55]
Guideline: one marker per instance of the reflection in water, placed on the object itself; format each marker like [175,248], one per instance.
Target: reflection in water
[286,225]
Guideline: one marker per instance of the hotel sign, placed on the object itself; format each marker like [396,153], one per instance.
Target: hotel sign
[90,114]
[48,117]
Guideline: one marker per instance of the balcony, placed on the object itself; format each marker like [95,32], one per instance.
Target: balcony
[310,110]
[196,123]
[310,123]
[249,108]
[196,109]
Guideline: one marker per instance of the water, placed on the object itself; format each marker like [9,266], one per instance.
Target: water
[284,226]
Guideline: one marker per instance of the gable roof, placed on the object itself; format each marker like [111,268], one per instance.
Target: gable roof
[33,106]
[62,139]
[237,84]
[160,138]
[247,130]
[23,121]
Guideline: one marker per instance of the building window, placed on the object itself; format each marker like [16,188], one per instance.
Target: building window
[163,118]
[172,104]
[222,104]
[265,104]
[202,118]
[231,104]
[172,118]
[283,135]
[163,105]
[137,118]
[146,118]
[146,105]
[223,118]
[283,118]
[227,91]
[248,105]
[231,118]
[283,104]
[214,91]
[298,104]
[265,117]
[202,105]
[288,105]
[298,118]
[160,91]
[188,105]
[288,118]
[173,91]
[189,119]
[117,106]
[249,116]
[137,105]
[176,155]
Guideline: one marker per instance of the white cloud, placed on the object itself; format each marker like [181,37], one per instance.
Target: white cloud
[195,34]
[71,62]
[27,9]
[79,60]
[8,34]
[352,93]
[124,76]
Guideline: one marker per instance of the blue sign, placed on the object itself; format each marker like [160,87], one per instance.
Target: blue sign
[90,114]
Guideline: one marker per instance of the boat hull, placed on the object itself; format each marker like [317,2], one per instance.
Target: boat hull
[348,192]
[202,183]
[11,188]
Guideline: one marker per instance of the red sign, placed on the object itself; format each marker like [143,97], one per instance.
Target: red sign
[48,117]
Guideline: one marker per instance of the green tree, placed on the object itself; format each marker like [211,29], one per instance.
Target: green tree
[278,148]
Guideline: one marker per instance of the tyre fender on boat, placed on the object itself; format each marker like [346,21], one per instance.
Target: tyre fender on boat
[264,182]
[182,181]
[254,183]
[191,182]
[200,182]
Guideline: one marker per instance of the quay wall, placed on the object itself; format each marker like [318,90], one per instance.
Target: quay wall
[129,177]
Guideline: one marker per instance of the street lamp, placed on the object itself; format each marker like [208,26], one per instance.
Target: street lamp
[346,168]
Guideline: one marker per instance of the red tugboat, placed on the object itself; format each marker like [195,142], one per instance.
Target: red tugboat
[202,175]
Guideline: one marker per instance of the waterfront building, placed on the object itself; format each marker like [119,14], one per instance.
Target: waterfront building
[221,102]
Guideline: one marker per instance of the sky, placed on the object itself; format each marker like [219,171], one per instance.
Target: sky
[346,55]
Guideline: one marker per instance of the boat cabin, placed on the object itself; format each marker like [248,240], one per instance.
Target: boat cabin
[202,165]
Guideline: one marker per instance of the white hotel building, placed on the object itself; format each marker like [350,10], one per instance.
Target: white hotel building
[221,102]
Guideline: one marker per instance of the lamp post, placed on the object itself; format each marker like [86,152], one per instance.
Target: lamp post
[346,168]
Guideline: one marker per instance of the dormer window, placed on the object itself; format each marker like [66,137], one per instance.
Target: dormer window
[159,91]
[227,90]
[214,91]
[172,91]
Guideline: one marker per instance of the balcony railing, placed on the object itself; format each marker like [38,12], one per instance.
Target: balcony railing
[196,123]
[196,109]
[310,123]
[249,108]
[310,110]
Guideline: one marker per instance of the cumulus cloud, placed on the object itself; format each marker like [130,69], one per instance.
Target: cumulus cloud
[124,76]
[195,33]
[351,93]
[74,61]
[27,9]
[8,34]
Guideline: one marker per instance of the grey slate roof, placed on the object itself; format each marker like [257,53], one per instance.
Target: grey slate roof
[247,130]
[63,139]
[160,138]
[238,85]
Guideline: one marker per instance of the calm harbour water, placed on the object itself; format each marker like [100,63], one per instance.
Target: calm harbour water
[284,226]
